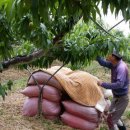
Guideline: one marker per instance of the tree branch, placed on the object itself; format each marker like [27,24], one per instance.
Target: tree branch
[35,55]
[23,59]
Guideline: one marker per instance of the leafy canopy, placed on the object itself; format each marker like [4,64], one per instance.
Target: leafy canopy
[37,32]
[31,25]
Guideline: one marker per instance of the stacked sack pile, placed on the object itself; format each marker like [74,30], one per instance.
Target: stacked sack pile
[51,100]
[79,116]
[57,104]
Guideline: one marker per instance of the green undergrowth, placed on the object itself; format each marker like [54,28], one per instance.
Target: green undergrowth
[20,83]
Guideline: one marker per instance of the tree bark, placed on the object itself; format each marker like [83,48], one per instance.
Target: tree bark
[23,59]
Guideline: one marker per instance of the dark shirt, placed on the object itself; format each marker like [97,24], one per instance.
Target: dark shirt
[119,77]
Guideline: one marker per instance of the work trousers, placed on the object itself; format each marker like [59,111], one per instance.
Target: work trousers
[117,108]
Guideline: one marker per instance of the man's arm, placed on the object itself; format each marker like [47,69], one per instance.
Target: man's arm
[121,78]
[104,63]
[115,85]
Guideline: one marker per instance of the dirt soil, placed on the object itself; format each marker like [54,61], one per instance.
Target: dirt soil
[10,110]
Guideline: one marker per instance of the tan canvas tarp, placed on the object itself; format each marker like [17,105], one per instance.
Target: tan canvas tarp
[81,86]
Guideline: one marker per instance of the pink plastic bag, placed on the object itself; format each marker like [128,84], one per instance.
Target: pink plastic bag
[50,108]
[49,92]
[77,122]
[88,113]
[31,91]
[30,107]
[41,77]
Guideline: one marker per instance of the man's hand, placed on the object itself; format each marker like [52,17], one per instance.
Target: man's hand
[99,82]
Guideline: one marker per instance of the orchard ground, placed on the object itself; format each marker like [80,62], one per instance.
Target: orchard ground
[10,110]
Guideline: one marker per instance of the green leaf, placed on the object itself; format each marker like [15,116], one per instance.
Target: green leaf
[98,11]
[112,7]
[9,84]
[35,4]
[2,92]
[44,10]
[105,4]
[1,67]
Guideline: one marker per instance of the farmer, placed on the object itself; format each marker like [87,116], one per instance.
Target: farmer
[119,86]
